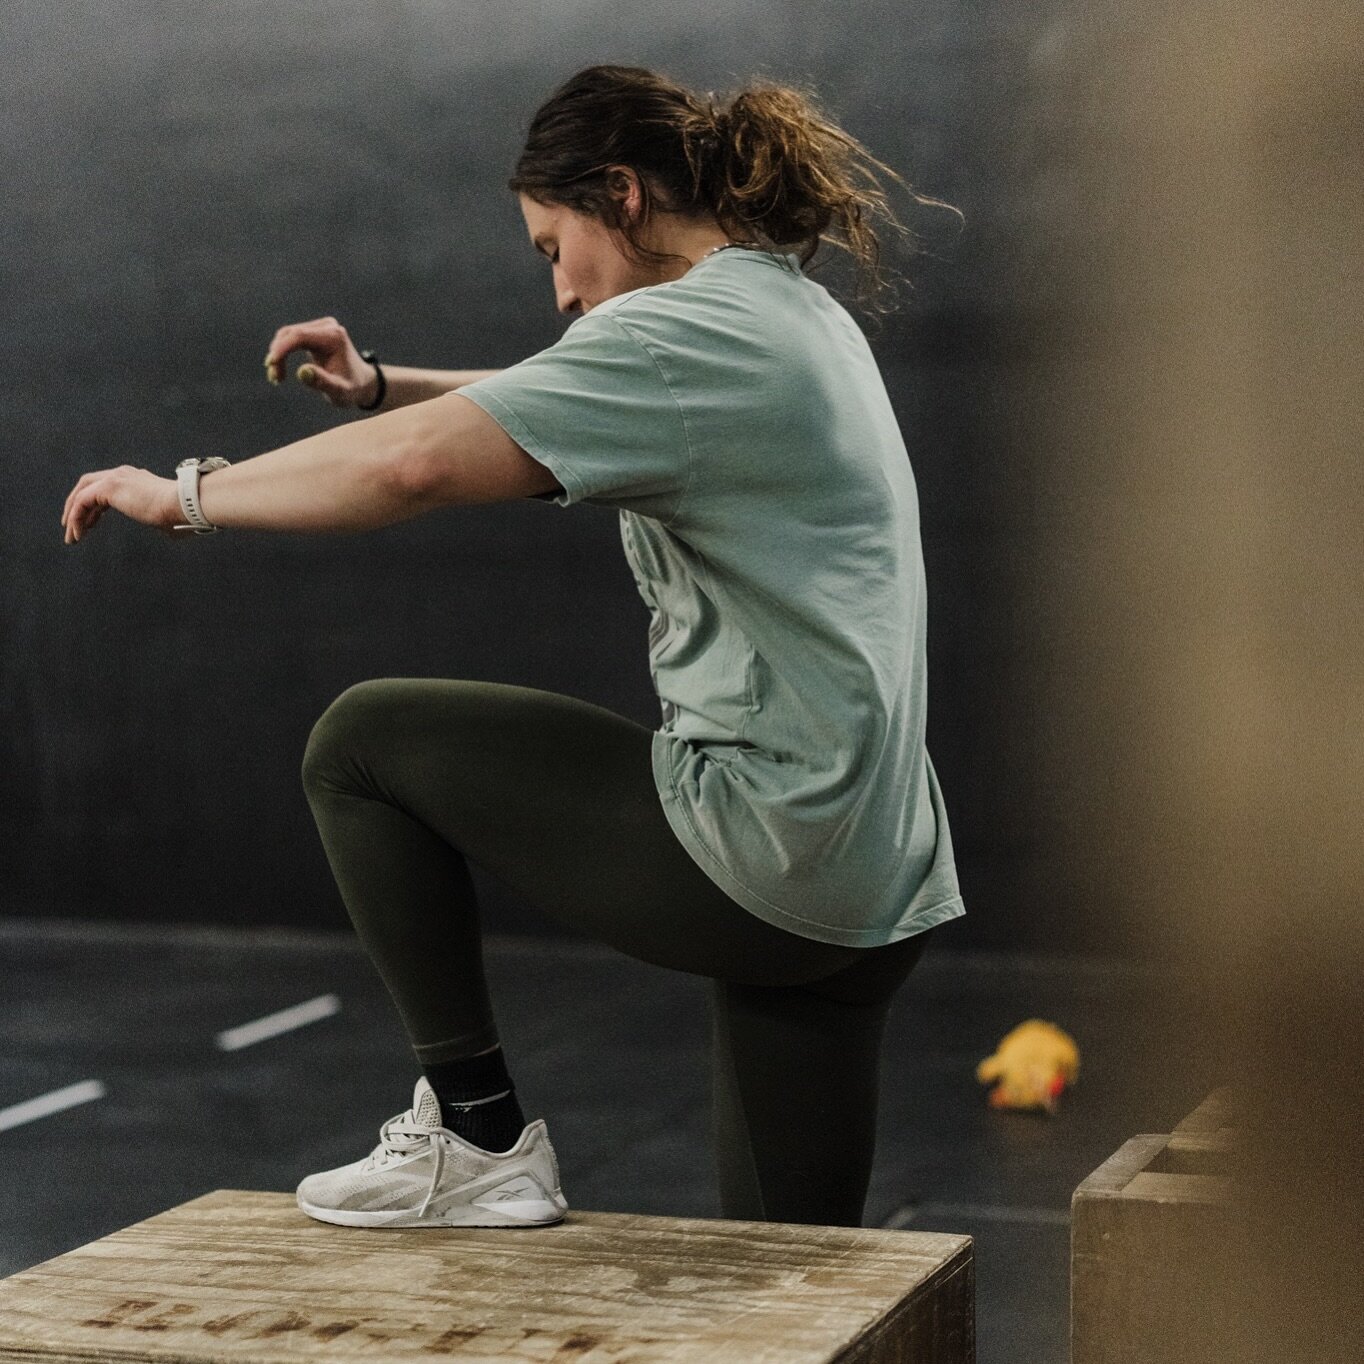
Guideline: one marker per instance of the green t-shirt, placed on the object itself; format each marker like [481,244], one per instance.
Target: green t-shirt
[737,419]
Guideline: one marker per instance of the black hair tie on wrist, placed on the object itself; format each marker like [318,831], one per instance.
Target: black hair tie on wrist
[373,359]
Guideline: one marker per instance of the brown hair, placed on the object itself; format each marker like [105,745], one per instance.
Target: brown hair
[770,167]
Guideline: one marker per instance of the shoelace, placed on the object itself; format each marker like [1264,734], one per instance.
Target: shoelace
[400,1136]
[403,1134]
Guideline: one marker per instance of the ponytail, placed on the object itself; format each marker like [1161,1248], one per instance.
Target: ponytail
[769,166]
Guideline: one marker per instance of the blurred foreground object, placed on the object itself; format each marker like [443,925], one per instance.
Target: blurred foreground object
[1149,1215]
[1032,1066]
[1198,483]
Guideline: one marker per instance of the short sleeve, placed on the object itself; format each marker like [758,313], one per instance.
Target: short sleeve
[595,409]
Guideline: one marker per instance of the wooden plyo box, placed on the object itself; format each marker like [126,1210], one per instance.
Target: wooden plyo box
[245,1276]
[1144,1227]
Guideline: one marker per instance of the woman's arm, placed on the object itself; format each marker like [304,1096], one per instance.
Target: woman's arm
[406,385]
[372,473]
[358,476]
[337,371]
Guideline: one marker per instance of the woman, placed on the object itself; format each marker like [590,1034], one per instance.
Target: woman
[782,832]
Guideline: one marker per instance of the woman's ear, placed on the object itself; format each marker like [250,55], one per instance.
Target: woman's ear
[623,184]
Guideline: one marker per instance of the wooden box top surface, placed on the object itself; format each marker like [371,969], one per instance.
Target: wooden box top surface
[241,1275]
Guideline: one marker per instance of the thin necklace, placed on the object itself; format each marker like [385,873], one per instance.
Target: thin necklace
[722,247]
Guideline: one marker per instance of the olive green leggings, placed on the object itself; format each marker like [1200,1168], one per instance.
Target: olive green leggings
[555,797]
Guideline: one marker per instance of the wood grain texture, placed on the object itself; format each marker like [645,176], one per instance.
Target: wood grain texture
[237,1275]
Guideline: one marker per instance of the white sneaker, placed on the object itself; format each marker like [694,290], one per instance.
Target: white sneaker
[424,1175]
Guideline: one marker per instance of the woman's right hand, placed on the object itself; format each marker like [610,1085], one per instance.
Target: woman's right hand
[334,367]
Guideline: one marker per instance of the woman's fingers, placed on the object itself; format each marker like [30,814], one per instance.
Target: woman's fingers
[335,390]
[72,495]
[334,368]
[75,518]
[86,504]
[138,494]
[323,338]
[80,497]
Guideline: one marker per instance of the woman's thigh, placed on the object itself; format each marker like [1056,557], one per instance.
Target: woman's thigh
[555,797]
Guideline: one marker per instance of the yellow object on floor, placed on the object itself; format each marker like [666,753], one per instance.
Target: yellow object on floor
[1031,1066]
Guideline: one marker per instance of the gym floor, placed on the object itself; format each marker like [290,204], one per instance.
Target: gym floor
[159,1091]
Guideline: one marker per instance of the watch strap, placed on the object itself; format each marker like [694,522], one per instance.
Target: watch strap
[382,388]
[187,486]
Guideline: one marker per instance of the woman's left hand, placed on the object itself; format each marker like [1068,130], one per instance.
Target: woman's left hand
[137,493]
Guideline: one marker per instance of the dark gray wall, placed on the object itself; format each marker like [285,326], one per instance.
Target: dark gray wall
[181,180]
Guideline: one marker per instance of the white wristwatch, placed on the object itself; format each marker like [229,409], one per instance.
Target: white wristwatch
[187,485]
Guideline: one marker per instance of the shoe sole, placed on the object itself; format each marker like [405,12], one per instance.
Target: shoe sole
[509,1214]
[519,1200]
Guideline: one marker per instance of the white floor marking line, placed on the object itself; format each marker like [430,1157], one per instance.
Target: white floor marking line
[283,1021]
[32,1109]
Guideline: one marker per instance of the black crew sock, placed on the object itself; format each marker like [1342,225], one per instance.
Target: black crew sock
[493,1125]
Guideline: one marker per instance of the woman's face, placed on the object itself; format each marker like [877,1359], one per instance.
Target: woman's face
[587,264]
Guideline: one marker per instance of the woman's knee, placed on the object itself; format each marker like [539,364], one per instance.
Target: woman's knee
[347,726]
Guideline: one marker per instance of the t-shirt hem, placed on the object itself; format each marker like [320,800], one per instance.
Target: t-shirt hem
[680,822]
